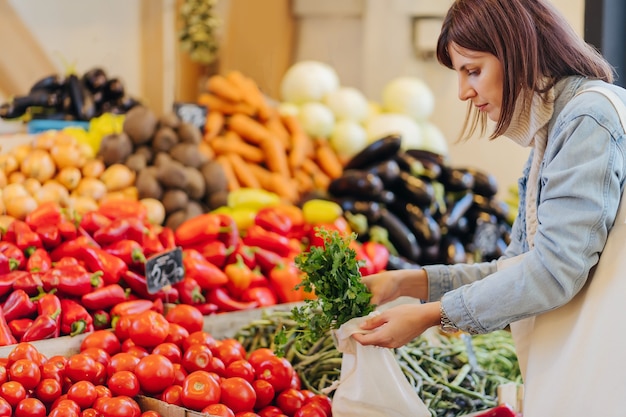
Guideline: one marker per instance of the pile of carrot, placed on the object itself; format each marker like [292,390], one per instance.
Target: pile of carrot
[257,146]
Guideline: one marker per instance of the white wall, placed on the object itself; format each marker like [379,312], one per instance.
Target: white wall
[91,33]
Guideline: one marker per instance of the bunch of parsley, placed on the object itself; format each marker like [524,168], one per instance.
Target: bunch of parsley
[331,272]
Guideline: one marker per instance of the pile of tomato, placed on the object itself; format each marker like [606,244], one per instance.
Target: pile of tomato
[168,357]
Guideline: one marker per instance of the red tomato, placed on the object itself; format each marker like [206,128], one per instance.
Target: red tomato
[13,392]
[277,371]
[172,395]
[200,390]
[229,351]
[177,334]
[64,412]
[197,358]
[48,390]
[323,401]
[81,368]
[155,373]
[295,381]
[3,375]
[217,366]
[238,394]
[290,400]
[122,361]
[123,383]
[63,403]
[148,329]
[98,354]
[90,412]
[170,350]
[308,394]
[150,413]
[82,393]
[138,351]
[311,410]
[103,391]
[30,407]
[187,316]
[103,339]
[26,372]
[257,356]
[264,393]
[271,411]
[5,408]
[241,368]
[119,407]
[179,374]
[25,350]
[54,368]
[247,414]
[201,337]
[101,374]
[218,410]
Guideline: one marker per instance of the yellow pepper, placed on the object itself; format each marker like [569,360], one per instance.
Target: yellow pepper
[317,211]
[252,198]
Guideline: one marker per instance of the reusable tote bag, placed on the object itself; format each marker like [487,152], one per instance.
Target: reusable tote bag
[571,357]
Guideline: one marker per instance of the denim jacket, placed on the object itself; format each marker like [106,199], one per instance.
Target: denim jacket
[581,180]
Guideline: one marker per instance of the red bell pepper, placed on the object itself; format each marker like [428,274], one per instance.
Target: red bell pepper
[47,305]
[5,264]
[49,235]
[6,337]
[167,238]
[97,259]
[39,261]
[229,231]
[378,254]
[215,252]
[189,291]
[71,279]
[131,307]
[239,277]
[151,242]
[67,230]
[48,212]
[225,303]
[129,251]
[119,229]
[8,280]
[25,238]
[75,319]
[43,327]
[93,221]
[105,297]
[19,326]
[274,220]
[207,308]
[206,274]
[203,228]
[11,251]
[246,253]
[18,306]
[284,278]
[101,320]
[257,236]
[366,267]
[266,260]
[264,296]
[30,283]
[123,209]
[72,248]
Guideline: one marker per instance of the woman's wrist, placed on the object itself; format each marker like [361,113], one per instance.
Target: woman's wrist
[413,283]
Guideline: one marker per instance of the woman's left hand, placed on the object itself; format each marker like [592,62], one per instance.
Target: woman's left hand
[399,325]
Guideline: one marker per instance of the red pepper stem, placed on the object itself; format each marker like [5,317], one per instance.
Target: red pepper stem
[96,278]
[41,293]
[78,327]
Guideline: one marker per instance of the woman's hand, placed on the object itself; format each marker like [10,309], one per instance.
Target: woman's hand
[386,286]
[399,325]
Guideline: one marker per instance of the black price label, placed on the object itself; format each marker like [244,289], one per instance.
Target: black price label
[192,113]
[165,268]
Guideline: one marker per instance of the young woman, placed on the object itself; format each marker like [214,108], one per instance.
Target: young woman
[520,65]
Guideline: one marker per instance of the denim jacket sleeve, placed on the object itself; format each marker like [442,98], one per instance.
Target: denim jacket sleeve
[581,181]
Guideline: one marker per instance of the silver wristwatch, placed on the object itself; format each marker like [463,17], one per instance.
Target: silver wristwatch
[447,326]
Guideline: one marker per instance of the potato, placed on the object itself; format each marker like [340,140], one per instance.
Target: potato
[189,133]
[196,186]
[115,148]
[214,177]
[164,139]
[140,124]
[117,177]
[172,174]
[156,211]
[188,154]
[174,200]
[147,185]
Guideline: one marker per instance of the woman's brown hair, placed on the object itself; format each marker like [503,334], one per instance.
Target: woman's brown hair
[531,39]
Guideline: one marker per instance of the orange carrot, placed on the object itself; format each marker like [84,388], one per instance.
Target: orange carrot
[224,88]
[232,143]
[262,174]
[251,93]
[275,157]
[249,129]
[304,181]
[285,187]
[276,126]
[245,177]
[215,103]
[213,125]
[231,178]
[320,179]
[206,150]
[327,159]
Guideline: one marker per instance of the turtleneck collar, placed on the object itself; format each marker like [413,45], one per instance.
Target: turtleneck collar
[528,121]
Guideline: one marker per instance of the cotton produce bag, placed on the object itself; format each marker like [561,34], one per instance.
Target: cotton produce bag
[371,383]
[570,357]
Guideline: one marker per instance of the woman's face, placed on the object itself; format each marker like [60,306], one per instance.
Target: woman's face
[480,79]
